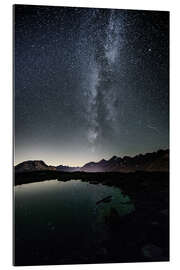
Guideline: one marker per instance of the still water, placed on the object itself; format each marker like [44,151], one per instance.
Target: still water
[55,219]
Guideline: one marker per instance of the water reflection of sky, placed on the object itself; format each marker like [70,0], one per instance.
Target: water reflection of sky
[73,191]
[64,209]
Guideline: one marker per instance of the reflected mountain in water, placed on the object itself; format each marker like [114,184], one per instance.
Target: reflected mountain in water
[93,217]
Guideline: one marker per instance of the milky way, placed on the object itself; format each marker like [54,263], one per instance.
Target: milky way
[100,79]
[90,83]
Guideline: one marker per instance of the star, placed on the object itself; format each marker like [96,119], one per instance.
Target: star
[89,79]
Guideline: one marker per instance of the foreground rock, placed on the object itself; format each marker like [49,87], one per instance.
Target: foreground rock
[140,236]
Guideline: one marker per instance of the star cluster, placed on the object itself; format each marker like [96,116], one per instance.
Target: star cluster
[89,83]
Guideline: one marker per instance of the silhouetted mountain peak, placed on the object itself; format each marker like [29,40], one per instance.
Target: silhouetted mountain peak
[102,161]
[67,168]
[156,161]
[33,165]
[113,158]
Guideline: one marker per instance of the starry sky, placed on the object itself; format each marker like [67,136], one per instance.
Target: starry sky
[89,83]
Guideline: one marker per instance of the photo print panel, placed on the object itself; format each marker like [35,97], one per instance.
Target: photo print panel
[91,135]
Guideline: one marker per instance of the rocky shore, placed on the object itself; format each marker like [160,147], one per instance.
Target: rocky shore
[142,235]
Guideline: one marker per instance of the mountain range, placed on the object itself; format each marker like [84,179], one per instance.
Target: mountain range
[156,161]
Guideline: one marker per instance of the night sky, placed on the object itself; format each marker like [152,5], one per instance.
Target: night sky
[89,83]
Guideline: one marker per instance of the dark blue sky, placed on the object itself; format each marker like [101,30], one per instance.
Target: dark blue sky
[90,83]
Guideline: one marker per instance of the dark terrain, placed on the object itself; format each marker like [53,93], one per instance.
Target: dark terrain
[156,161]
[140,236]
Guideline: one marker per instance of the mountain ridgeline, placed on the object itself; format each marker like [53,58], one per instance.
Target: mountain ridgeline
[33,165]
[156,161]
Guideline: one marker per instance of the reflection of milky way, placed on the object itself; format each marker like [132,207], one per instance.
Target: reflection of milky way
[90,83]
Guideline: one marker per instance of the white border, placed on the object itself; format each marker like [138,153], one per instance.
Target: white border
[6,126]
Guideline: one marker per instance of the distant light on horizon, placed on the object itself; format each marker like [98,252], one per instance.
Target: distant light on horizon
[90,83]
[72,162]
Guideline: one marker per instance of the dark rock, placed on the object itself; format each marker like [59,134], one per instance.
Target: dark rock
[151,251]
[104,200]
